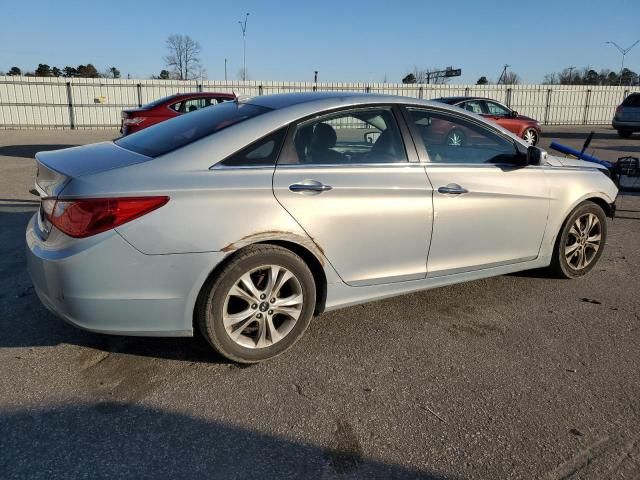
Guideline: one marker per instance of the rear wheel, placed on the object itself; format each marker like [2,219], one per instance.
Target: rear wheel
[259,305]
[580,242]
[624,133]
[530,136]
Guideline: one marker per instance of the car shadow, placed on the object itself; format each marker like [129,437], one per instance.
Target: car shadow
[29,151]
[549,133]
[126,440]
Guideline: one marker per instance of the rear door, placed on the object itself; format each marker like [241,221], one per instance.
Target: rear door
[353,183]
[487,211]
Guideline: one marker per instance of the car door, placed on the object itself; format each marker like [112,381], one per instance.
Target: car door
[353,183]
[488,210]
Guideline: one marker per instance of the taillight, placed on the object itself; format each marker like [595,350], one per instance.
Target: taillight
[134,121]
[85,217]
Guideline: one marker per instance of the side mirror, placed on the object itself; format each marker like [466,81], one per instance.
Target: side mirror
[535,156]
[514,114]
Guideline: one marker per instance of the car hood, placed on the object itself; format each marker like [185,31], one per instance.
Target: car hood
[571,162]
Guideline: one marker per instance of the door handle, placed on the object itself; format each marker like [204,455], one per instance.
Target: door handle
[309,186]
[453,189]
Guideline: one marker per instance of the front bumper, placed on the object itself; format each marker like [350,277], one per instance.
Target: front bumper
[627,125]
[104,285]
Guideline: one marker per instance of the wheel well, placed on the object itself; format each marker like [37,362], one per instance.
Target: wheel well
[314,265]
[609,209]
[309,258]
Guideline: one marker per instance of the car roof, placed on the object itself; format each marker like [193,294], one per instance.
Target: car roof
[201,94]
[454,100]
[320,101]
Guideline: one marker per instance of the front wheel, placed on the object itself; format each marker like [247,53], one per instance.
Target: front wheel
[624,133]
[530,136]
[259,305]
[580,242]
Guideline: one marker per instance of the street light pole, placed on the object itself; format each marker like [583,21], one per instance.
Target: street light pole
[624,52]
[225,69]
[243,26]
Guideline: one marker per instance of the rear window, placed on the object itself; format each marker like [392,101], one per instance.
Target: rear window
[157,102]
[632,100]
[178,132]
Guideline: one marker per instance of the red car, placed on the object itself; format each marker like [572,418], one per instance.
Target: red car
[135,119]
[525,127]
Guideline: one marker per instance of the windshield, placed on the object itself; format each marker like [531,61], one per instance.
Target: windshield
[185,129]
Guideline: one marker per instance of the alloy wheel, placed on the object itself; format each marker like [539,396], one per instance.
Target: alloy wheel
[530,136]
[262,306]
[583,241]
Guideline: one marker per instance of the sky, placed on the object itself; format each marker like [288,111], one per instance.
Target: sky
[346,41]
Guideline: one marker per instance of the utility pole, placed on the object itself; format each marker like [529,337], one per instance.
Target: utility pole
[225,69]
[504,73]
[571,69]
[315,80]
[243,26]
[624,52]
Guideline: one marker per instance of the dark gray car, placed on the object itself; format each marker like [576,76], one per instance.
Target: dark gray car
[627,117]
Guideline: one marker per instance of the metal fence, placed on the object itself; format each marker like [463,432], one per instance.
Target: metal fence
[87,103]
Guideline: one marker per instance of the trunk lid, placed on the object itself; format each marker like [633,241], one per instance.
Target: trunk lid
[84,160]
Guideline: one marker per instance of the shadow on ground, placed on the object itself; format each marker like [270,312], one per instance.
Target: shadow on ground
[122,440]
[29,151]
[549,132]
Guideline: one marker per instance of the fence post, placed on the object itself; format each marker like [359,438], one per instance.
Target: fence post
[260,90]
[367,89]
[586,108]
[466,91]
[421,93]
[72,117]
[546,108]
[508,102]
[200,88]
[139,88]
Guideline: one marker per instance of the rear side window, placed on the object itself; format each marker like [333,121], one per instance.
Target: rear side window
[263,152]
[632,100]
[185,129]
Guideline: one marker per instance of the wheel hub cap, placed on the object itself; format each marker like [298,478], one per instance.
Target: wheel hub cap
[263,306]
[583,241]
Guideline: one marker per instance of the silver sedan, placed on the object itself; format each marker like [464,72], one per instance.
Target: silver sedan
[246,219]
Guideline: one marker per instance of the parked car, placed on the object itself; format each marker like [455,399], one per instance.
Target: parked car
[245,220]
[627,117]
[135,119]
[524,127]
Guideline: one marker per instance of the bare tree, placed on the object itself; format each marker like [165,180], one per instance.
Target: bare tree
[510,78]
[183,57]
[243,74]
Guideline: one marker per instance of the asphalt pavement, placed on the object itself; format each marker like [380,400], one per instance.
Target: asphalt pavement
[518,376]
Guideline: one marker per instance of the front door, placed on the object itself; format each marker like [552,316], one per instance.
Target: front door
[347,180]
[488,211]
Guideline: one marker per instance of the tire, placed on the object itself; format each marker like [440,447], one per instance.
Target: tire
[577,238]
[531,136]
[455,138]
[249,325]
[624,133]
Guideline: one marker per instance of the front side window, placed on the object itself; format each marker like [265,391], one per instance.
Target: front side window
[452,139]
[180,131]
[356,136]
[497,109]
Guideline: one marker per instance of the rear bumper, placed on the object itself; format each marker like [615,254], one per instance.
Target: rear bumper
[104,285]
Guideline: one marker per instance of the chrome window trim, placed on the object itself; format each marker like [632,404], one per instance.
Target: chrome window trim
[319,165]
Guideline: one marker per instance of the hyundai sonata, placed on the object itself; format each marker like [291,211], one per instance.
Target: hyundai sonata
[245,220]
